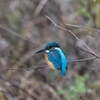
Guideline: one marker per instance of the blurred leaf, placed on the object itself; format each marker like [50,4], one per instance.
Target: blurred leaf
[2,96]
[97,13]
[53,75]
[83,11]
[79,87]
[61,92]
[96,85]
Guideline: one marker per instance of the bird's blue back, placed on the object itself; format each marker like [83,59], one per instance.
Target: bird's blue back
[58,58]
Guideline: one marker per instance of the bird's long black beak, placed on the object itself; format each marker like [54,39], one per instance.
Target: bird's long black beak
[41,50]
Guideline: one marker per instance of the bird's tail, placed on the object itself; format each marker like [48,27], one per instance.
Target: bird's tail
[63,71]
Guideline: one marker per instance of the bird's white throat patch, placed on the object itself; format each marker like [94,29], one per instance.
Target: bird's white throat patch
[47,51]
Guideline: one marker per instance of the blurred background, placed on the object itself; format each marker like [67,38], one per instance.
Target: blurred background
[24,29]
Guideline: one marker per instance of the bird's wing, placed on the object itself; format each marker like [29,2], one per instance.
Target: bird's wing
[55,58]
[59,60]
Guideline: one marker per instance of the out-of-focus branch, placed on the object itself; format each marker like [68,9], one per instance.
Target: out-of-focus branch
[26,69]
[93,36]
[14,84]
[39,7]
[14,33]
[25,57]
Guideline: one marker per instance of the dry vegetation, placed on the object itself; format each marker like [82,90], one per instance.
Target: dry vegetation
[24,28]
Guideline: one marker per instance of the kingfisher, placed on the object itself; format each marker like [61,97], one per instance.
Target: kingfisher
[55,57]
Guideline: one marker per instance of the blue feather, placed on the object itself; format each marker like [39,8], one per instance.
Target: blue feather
[59,60]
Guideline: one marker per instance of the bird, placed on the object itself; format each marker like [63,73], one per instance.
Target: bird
[55,57]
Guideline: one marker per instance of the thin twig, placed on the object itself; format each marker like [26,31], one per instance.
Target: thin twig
[81,60]
[15,84]
[26,69]
[79,26]
[93,36]
[39,7]
[95,68]
[37,67]
[75,37]
[84,50]
[25,57]
[20,69]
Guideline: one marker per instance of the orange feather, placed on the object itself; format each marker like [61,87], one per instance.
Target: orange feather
[49,63]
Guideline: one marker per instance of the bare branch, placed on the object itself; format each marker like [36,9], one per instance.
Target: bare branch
[81,60]
[25,57]
[85,51]
[26,69]
[15,84]
[39,7]
[75,37]
[42,66]
[95,68]
[93,36]
[79,26]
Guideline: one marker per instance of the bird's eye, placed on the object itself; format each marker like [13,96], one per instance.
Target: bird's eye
[49,48]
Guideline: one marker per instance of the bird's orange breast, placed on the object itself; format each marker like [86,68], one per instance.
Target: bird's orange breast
[50,64]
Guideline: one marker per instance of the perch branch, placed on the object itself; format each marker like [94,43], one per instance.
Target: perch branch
[27,56]
[81,60]
[26,69]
